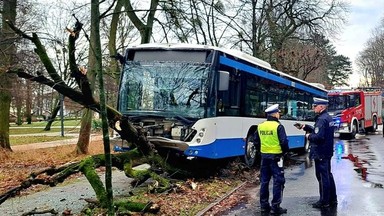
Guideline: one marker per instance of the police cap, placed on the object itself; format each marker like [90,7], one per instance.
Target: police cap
[272,109]
[320,101]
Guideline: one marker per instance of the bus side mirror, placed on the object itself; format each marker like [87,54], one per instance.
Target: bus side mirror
[223,80]
[119,58]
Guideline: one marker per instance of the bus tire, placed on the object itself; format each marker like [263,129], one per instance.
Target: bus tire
[252,154]
[305,149]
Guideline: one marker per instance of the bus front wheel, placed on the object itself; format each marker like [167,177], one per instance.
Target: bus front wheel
[305,149]
[251,156]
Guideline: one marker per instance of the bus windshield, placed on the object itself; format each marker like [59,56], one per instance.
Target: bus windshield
[164,88]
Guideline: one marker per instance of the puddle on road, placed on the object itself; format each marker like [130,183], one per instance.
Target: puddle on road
[359,153]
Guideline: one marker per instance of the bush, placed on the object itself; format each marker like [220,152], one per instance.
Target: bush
[96,124]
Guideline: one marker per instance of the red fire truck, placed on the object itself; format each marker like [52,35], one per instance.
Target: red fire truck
[355,110]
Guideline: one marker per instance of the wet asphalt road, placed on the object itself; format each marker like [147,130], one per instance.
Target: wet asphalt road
[357,167]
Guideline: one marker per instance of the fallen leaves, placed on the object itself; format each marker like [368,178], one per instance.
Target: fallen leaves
[189,197]
[18,165]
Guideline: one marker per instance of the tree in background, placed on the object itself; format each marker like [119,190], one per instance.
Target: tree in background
[277,28]
[279,32]
[7,59]
[194,21]
[371,60]
[145,29]
[302,59]
[338,67]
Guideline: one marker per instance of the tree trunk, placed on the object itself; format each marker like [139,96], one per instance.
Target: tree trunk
[5,98]
[86,120]
[52,118]
[144,29]
[18,98]
[28,103]
[7,53]
[84,134]
[95,47]
[114,66]
[142,147]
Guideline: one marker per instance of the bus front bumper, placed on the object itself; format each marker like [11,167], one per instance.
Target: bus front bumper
[163,142]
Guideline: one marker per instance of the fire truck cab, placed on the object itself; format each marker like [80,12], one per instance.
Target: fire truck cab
[355,110]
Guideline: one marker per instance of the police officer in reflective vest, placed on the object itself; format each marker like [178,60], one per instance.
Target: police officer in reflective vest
[321,138]
[272,141]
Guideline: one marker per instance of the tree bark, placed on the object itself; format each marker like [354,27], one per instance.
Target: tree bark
[84,134]
[114,66]
[124,161]
[144,29]
[53,115]
[95,51]
[7,55]
[142,149]
[28,103]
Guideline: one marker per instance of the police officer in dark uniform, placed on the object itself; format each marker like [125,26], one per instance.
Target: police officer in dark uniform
[271,140]
[321,138]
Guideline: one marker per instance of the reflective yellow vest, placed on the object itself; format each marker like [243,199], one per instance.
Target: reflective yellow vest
[269,138]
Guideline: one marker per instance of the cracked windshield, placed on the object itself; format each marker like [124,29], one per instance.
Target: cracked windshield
[164,88]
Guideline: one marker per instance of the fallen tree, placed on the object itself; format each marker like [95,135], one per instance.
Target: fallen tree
[142,150]
[124,161]
[84,97]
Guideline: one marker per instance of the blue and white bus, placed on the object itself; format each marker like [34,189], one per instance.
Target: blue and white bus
[206,102]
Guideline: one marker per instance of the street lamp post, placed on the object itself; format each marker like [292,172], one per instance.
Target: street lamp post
[62,114]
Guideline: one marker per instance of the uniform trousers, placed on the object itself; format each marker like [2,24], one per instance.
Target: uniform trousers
[269,168]
[327,187]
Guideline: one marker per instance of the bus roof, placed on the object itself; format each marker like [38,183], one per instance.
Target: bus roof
[233,52]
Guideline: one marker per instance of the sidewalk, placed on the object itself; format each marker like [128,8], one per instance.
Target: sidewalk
[71,141]
[70,196]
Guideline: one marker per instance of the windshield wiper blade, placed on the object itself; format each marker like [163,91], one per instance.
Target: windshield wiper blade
[184,120]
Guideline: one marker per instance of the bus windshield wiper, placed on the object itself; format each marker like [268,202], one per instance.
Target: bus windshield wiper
[184,120]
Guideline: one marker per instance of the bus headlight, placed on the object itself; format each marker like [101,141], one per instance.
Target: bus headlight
[200,135]
[202,132]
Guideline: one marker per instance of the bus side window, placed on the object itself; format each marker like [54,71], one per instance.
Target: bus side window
[228,102]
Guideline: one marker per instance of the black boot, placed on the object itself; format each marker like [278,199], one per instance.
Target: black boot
[278,211]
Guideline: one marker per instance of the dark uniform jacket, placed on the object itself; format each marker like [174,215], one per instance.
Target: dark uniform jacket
[321,136]
[283,140]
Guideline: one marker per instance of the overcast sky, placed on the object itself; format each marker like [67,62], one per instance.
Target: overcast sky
[364,16]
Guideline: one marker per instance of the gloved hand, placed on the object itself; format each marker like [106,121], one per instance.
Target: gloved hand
[298,125]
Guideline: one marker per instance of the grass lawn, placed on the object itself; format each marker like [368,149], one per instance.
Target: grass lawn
[70,126]
[21,140]
[67,123]
[25,130]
